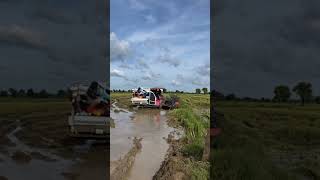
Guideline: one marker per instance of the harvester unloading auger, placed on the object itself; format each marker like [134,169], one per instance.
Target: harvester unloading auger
[153,97]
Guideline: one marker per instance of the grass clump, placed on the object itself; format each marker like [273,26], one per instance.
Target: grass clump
[194,150]
[193,116]
[194,125]
[199,170]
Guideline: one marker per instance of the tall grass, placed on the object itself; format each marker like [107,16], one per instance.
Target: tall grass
[193,124]
[193,116]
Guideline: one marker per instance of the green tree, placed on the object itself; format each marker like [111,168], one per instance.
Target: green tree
[3,93]
[43,94]
[317,99]
[198,91]
[205,90]
[61,93]
[304,91]
[217,95]
[13,92]
[231,97]
[30,92]
[281,93]
[21,93]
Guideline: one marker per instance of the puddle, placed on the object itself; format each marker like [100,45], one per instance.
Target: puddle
[20,146]
[151,126]
[38,164]
[33,168]
[84,148]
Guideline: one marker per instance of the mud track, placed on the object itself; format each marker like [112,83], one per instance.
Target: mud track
[173,166]
[120,169]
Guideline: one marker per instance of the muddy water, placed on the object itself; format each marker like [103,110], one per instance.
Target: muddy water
[149,124]
[36,169]
[38,164]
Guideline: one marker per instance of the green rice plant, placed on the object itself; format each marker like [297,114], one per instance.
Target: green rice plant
[194,125]
[194,150]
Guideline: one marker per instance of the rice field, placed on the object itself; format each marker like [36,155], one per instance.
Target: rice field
[267,141]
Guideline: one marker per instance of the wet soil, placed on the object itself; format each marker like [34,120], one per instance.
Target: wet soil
[121,168]
[35,142]
[149,125]
[174,166]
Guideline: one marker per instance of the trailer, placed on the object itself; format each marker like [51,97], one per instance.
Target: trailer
[89,126]
[85,121]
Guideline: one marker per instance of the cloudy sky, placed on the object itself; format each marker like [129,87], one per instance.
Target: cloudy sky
[160,43]
[261,44]
[50,44]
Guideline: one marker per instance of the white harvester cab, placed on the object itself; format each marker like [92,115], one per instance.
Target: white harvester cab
[151,97]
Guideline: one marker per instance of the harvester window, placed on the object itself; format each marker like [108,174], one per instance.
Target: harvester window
[152,97]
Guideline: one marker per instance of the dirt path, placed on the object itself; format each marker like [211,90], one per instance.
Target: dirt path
[148,124]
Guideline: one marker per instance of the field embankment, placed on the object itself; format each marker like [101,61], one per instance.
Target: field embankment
[184,160]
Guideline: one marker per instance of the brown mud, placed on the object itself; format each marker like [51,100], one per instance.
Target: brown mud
[120,169]
[35,142]
[149,125]
[173,166]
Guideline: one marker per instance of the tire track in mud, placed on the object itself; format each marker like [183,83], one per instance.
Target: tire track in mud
[41,163]
[120,169]
[31,162]
[148,150]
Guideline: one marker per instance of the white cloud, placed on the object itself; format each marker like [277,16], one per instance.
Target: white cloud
[142,64]
[190,79]
[119,49]
[180,79]
[164,42]
[203,70]
[175,83]
[124,65]
[149,75]
[200,81]
[137,4]
[150,19]
[167,58]
[117,73]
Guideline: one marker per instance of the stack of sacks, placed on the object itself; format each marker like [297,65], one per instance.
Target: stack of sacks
[92,100]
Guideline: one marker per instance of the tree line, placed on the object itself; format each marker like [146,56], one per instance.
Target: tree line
[203,90]
[282,93]
[11,92]
[197,91]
